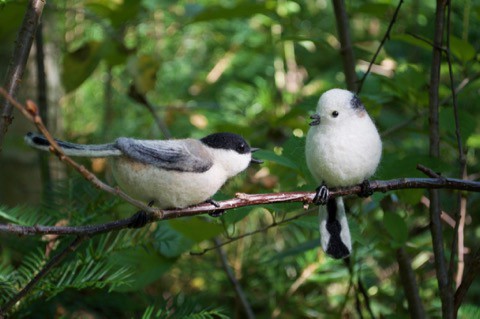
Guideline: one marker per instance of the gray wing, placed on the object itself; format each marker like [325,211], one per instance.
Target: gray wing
[187,155]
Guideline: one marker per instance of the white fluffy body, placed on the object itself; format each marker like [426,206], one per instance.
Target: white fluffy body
[344,149]
[175,189]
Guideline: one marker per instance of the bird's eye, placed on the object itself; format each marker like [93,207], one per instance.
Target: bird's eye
[241,148]
[334,114]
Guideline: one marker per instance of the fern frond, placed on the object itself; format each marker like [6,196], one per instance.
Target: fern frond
[179,307]
[26,216]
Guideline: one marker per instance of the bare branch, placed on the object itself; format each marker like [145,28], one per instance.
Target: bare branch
[410,286]
[30,111]
[42,273]
[242,200]
[444,283]
[346,49]
[471,271]
[236,285]
[19,60]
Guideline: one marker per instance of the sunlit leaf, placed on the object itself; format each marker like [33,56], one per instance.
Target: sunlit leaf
[461,49]
[80,64]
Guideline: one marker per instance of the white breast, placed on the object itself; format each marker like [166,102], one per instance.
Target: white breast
[169,189]
[343,155]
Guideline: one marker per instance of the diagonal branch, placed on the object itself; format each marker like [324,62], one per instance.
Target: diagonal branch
[19,60]
[382,43]
[42,273]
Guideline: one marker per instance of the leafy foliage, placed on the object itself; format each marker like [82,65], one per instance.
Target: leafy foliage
[257,69]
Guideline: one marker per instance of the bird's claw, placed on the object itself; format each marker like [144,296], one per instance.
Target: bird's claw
[321,195]
[365,189]
[216,213]
[139,219]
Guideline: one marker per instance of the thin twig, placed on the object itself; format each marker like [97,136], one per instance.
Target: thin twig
[236,285]
[261,230]
[30,111]
[458,240]
[471,271]
[42,273]
[19,61]
[382,43]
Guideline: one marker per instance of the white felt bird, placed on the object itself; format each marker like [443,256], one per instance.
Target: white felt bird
[343,148]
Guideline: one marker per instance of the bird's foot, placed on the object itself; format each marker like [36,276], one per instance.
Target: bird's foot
[140,218]
[321,195]
[216,213]
[365,189]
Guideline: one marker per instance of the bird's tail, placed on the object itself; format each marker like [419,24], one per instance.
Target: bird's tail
[334,230]
[39,141]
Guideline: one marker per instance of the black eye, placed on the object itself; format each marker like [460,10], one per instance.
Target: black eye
[334,114]
[241,148]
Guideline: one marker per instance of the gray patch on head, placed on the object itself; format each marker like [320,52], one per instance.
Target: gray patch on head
[356,103]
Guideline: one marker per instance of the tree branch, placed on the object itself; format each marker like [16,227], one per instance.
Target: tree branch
[236,285]
[385,38]
[444,285]
[242,200]
[471,271]
[410,286]
[30,111]
[42,273]
[19,60]
[346,48]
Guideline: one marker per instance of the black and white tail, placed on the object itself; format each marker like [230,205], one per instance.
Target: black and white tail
[334,230]
[39,141]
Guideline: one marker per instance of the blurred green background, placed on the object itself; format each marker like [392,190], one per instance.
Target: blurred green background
[255,68]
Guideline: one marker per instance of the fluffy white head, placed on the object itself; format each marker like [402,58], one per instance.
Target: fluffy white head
[339,106]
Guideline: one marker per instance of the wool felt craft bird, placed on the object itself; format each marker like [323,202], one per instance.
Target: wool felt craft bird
[343,148]
[171,173]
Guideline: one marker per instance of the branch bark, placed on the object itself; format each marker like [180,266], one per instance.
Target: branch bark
[19,60]
[444,284]
[410,286]
[42,273]
[242,200]
[346,48]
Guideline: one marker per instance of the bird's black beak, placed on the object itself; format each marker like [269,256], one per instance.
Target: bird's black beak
[254,160]
[315,120]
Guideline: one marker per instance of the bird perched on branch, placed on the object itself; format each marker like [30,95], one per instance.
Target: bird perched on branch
[343,148]
[172,173]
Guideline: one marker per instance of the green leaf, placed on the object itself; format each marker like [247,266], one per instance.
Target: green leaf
[118,12]
[467,122]
[473,141]
[170,242]
[270,156]
[461,49]
[80,64]
[196,228]
[396,228]
[410,196]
